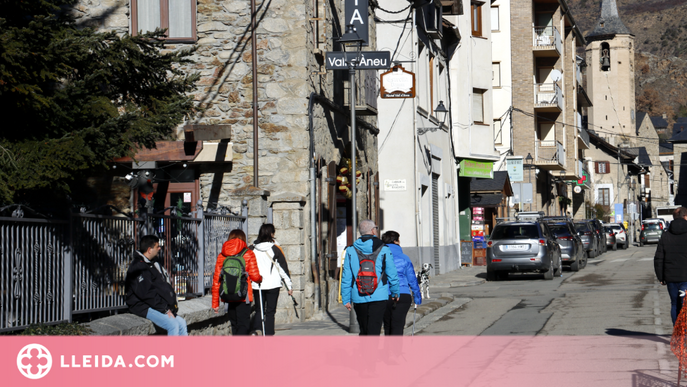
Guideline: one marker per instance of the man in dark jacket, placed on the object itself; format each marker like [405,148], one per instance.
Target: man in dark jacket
[149,293]
[670,260]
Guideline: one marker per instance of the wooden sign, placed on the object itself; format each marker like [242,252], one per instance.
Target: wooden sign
[397,83]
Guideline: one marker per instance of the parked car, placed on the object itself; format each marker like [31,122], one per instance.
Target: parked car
[651,232]
[620,234]
[573,253]
[599,228]
[589,238]
[611,240]
[522,247]
[662,222]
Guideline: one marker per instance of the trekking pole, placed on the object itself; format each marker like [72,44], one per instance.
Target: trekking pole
[414,312]
[262,311]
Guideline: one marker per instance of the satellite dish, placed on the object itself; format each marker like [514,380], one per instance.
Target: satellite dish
[556,75]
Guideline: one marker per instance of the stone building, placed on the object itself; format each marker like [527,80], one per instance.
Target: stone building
[287,173]
[538,41]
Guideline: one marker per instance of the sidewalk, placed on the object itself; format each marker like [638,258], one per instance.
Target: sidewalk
[335,322]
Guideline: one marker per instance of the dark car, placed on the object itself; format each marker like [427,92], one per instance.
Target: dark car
[599,228]
[589,238]
[573,253]
[522,247]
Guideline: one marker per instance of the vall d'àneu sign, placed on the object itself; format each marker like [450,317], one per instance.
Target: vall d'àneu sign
[397,83]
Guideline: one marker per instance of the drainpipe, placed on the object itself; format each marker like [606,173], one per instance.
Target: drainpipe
[254,59]
[313,204]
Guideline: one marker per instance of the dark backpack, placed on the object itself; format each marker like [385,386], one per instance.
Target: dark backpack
[234,278]
[367,273]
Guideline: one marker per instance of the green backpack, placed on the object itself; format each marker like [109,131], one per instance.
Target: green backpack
[234,278]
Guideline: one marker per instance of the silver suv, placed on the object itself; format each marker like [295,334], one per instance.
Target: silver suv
[521,247]
[620,234]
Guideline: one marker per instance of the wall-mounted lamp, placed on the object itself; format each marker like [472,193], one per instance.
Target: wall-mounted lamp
[529,159]
[350,36]
[441,109]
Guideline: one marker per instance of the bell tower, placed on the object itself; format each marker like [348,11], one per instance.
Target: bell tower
[611,76]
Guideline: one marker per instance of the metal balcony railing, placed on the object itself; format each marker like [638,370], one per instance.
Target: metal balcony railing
[547,37]
[548,95]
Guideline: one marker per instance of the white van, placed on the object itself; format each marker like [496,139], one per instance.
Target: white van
[666,213]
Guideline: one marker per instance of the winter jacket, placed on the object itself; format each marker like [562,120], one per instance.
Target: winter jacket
[407,279]
[147,286]
[670,260]
[387,278]
[229,248]
[272,265]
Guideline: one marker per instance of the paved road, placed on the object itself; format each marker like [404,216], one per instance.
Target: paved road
[616,297]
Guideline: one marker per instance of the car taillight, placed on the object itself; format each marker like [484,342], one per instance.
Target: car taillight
[642,227]
[542,242]
[496,260]
[660,225]
[489,243]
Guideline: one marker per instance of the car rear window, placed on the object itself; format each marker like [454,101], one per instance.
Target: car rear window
[582,227]
[651,226]
[525,231]
[559,230]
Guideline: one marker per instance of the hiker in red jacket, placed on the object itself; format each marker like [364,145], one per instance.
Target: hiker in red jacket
[238,311]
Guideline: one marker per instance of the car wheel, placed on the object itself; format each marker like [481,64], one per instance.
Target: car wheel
[559,270]
[491,275]
[549,274]
[575,266]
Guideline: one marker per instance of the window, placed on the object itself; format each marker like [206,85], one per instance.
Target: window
[177,16]
[478,106]
[602,167]
[494,18]
[431,81]
[496,74]
[604,196]
[476,19]
[498,132]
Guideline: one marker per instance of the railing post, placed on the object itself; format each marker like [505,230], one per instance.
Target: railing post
[67,261]
[201,247]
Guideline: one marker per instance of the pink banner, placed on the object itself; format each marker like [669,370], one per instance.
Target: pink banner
[336,361]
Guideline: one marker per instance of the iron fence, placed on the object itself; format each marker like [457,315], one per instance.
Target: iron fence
[51,270]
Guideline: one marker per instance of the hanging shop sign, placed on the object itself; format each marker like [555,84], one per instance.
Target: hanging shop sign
[474,168]
[356,15]
[397,83]
[364,60]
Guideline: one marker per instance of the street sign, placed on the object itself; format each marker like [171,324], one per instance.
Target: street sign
[364,60]
[515,172]
[356,15]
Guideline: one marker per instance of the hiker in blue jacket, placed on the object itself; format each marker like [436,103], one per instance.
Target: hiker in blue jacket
[396,311]
[369,308]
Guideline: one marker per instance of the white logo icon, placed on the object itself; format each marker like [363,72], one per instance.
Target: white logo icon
[34,361]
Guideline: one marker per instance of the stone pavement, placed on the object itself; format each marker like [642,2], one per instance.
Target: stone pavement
[335,322]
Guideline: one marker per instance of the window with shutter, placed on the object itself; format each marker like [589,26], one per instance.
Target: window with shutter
[478,106]
[602,167]
[178,17]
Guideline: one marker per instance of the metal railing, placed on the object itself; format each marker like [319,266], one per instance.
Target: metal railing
[547,37]
[548,94]
[51,270]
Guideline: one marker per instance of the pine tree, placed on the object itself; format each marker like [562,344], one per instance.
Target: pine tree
[73,99]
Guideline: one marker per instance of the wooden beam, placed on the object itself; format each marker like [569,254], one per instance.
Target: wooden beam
[167,151]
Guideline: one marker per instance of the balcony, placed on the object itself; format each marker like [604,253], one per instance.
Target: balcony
[582,138]
[548,97]
[365,93]
[546,42]
[549,155]
[578,74]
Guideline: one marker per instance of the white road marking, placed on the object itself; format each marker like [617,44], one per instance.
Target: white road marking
[647,259]
[620,260]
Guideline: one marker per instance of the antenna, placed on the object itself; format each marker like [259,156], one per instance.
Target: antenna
[556,75]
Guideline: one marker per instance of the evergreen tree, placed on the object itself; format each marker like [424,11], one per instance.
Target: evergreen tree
[73,98]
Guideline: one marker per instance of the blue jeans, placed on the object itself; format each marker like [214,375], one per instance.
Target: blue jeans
[174,326]
[675,300]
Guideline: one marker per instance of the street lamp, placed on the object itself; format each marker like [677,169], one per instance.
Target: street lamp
[352,37]
[528,163]
[441,109]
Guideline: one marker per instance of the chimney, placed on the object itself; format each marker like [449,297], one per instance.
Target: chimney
[665,116]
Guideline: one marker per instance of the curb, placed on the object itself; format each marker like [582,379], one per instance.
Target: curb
[427,308]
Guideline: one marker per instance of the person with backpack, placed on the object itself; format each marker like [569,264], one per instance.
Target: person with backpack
[149,292]
[395,314]
[235,269]
[369,276]
[274,270]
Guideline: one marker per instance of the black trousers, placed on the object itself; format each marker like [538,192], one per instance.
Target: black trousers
[395,315]
[269,304]
[370,316]
[239,317]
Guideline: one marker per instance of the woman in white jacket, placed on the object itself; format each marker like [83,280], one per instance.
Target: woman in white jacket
[273,269]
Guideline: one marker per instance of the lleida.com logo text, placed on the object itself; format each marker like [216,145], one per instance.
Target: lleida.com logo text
[34,361]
